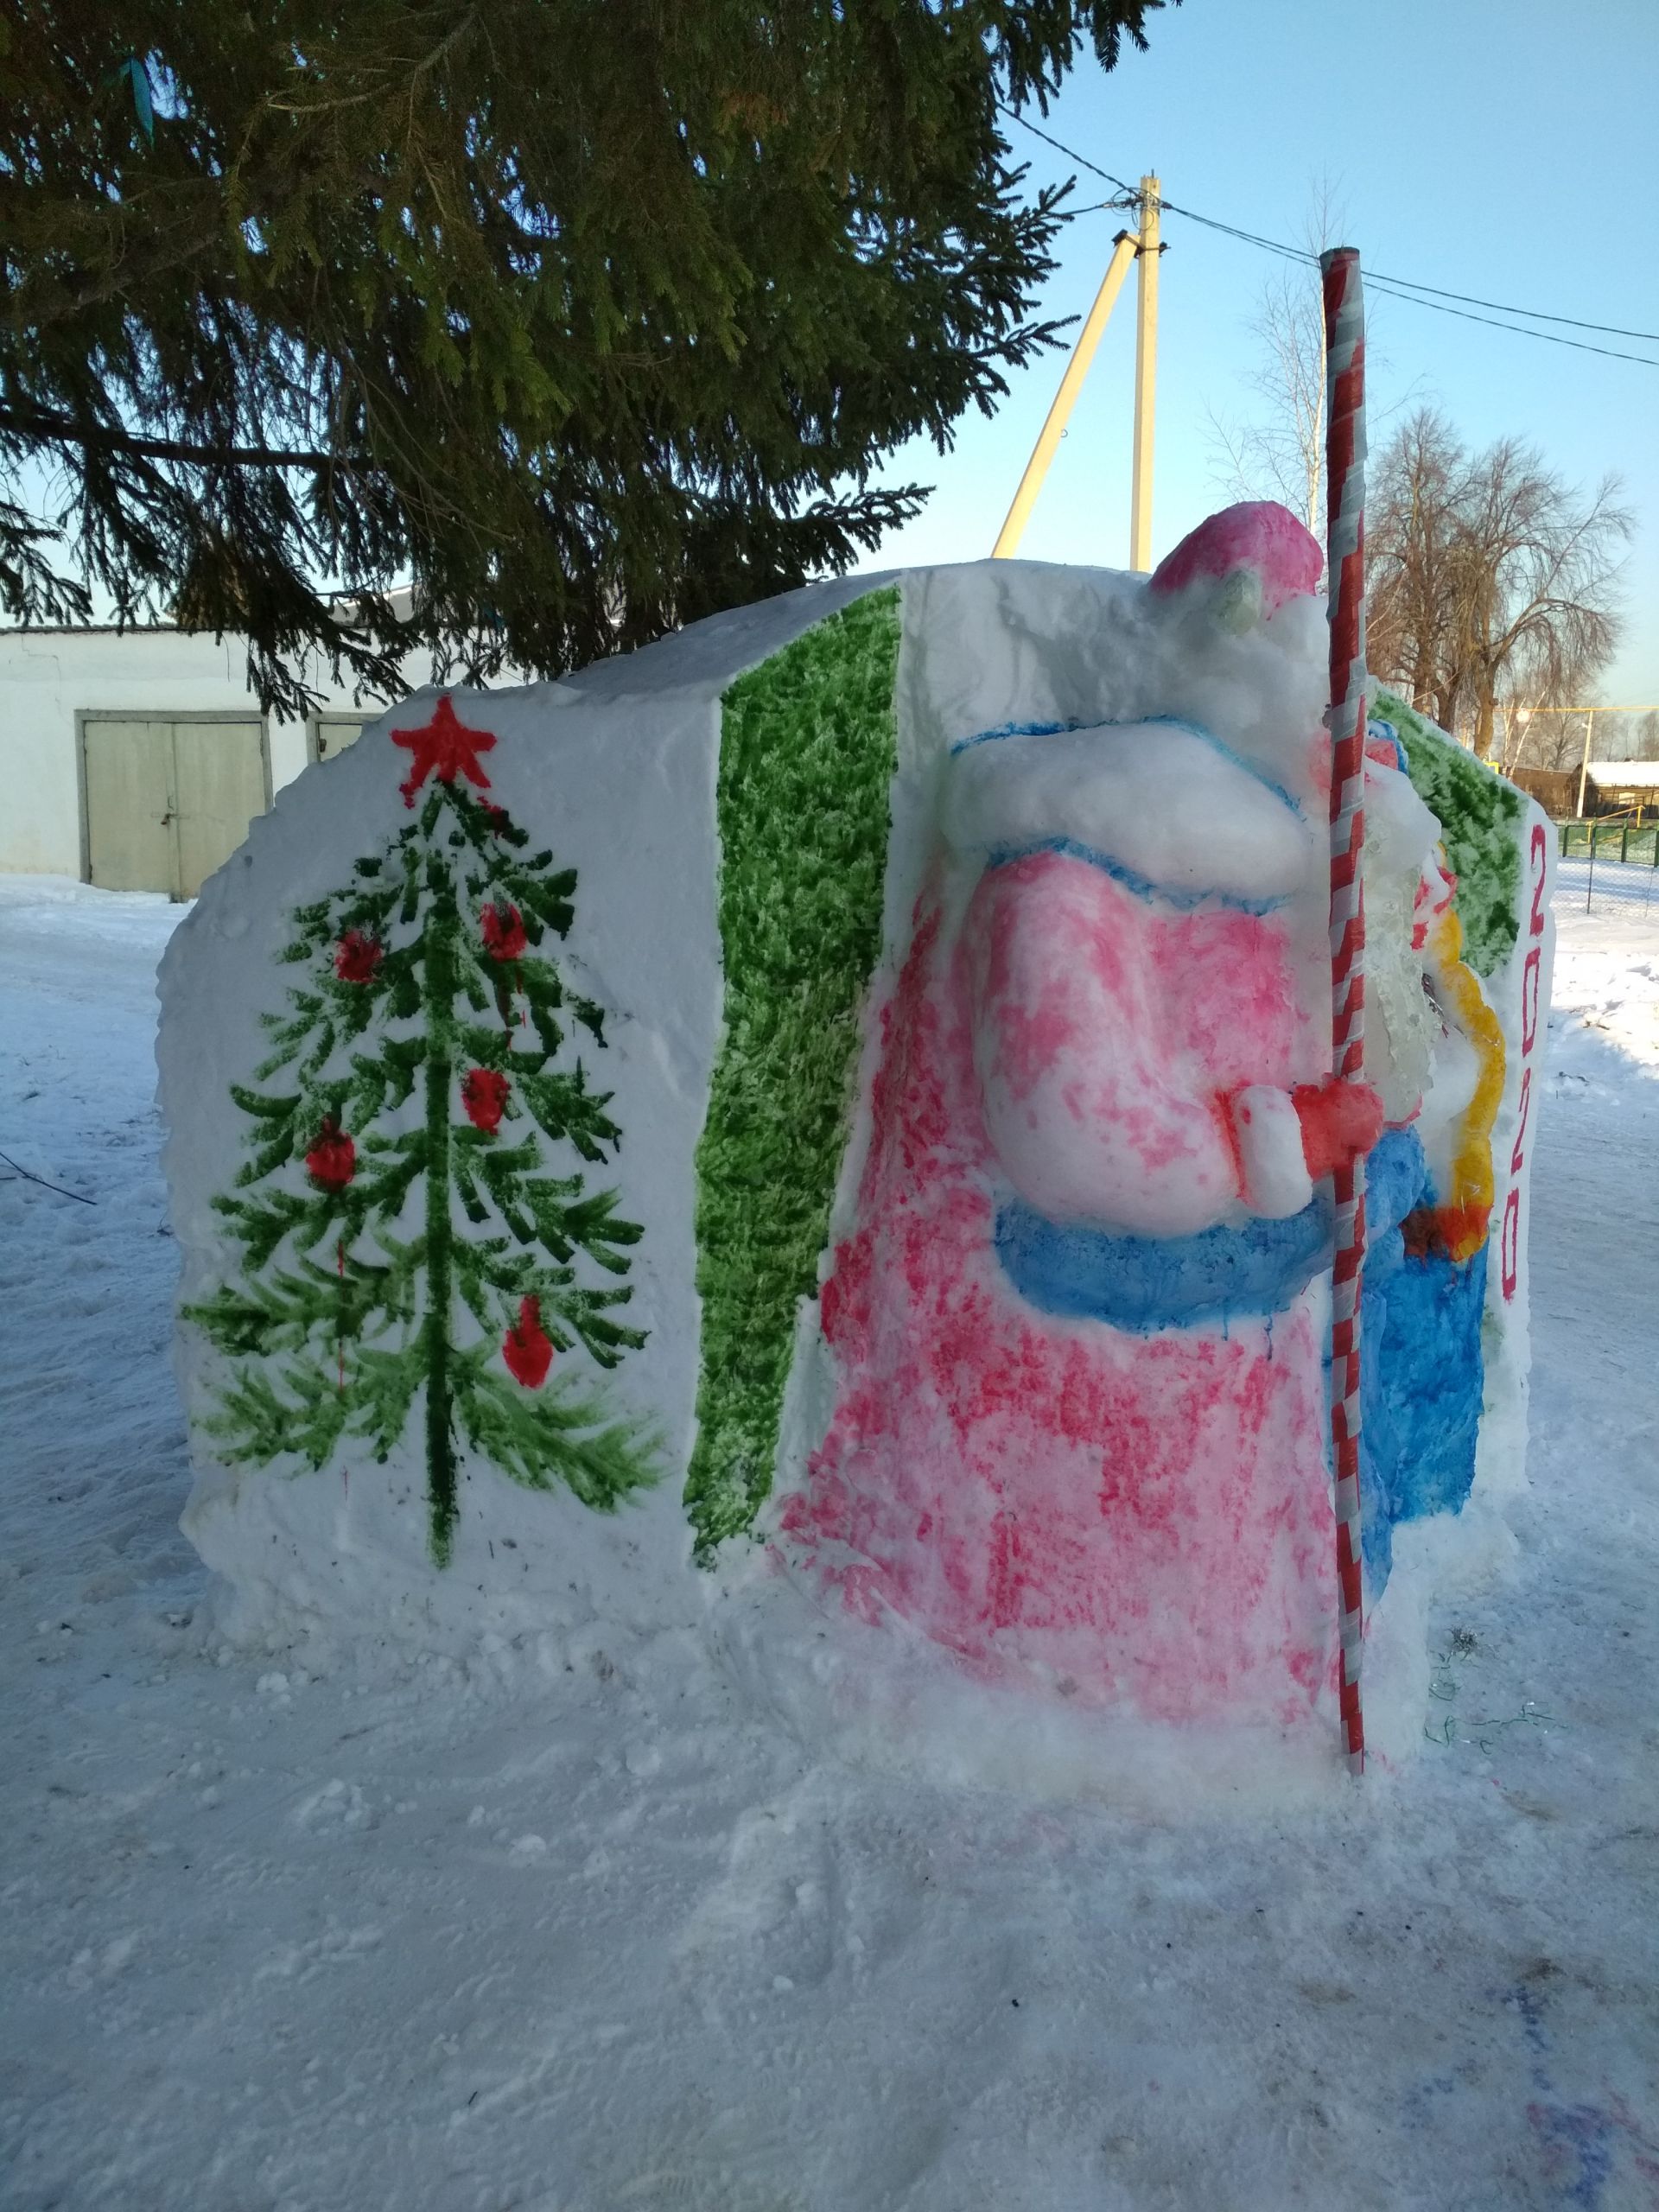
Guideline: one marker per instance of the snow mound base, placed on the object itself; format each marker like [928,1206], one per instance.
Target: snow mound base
[830,1117]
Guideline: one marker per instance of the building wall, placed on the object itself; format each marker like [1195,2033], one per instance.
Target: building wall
[48,677]
[1556,789]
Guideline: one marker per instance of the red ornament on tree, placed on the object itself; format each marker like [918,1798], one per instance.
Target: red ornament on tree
[484,1093]
[357,957]
[332,1161]
[446,749]
[504,932]
[525,1349]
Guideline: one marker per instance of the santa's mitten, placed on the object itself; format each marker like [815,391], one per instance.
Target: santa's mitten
[1339,1120]
[1284,1141]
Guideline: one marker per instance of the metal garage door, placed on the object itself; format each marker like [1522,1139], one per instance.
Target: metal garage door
[332,734]
[169,798]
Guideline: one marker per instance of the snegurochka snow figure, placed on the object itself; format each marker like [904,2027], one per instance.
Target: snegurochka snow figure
[419,1242]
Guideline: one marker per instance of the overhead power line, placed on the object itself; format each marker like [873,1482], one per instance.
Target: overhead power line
[1399,288]
[1550,337]
[1538,314]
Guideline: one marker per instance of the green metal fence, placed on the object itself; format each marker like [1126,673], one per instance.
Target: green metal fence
[1611,837]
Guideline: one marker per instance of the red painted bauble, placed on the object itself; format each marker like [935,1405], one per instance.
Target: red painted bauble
[332,1161]
[357,957]
[484,1093]
[504,932]
[525,1349]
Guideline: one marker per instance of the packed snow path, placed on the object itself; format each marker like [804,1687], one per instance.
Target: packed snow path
[584,1928]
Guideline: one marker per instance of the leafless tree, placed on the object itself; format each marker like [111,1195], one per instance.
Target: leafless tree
[1414,630]
[1535,739]
[1532,740]
[1493,581]
[1280,453]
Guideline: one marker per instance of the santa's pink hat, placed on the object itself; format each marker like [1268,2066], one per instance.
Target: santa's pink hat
[1259,535]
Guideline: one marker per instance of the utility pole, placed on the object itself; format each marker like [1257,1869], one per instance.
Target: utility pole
[1584,769]
[1053,429]
[1142,245]
[1148,250]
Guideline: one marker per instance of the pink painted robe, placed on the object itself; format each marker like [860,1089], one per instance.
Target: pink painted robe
[1139,1520]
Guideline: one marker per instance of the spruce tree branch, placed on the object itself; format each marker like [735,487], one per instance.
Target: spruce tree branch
[106,438]
[408,77]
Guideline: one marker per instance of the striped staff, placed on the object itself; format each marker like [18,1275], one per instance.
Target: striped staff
[1345,454]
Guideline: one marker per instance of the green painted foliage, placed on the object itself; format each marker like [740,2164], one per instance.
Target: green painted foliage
[808,751]
[1480,815]
[392,1247]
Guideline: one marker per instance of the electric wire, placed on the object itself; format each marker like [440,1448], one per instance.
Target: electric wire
[1537,315]
[1398,287]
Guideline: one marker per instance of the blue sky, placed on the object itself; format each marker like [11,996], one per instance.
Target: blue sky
[1506,148]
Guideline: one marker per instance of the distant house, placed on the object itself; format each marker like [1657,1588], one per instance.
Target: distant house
[1616,785]
[136,758]
[1611,787]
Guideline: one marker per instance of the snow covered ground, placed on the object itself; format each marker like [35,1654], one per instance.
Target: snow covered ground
[580,1929]
[1630,887]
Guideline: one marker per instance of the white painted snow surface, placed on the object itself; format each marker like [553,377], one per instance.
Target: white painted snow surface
[579,1923]
[616,775]
[1169,804]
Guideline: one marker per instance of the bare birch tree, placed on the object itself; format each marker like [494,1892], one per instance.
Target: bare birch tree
[1279,454]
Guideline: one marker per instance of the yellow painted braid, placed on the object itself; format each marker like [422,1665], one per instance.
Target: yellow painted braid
[1467,1205]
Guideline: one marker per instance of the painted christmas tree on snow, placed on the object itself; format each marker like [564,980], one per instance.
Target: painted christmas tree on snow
[405,1231]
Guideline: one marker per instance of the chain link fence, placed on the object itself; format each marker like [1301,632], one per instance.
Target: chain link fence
[1609,865]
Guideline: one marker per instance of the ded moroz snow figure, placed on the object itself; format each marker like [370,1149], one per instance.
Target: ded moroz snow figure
[1079,1322]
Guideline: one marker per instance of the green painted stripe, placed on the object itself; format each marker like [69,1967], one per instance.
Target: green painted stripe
[809,746]
[1480,815]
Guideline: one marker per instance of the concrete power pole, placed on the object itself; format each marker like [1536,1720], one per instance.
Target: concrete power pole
[1007,541]
[1148,250]
[1584,765]
[1143,246]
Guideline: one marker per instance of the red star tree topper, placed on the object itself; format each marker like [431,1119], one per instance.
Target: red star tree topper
[446,749]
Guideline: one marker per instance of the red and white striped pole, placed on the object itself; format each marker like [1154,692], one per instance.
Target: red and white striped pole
[1344,454]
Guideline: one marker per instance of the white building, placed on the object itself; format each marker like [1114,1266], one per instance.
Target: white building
[136,759]
[1627,783]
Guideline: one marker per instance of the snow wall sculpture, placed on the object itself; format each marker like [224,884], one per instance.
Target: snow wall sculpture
[844,1093]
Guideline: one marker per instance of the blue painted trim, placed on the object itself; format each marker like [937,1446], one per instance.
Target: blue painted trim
[1376,726]
[1185,901]
[1146,1284]
[1026,730]
[1133,722]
